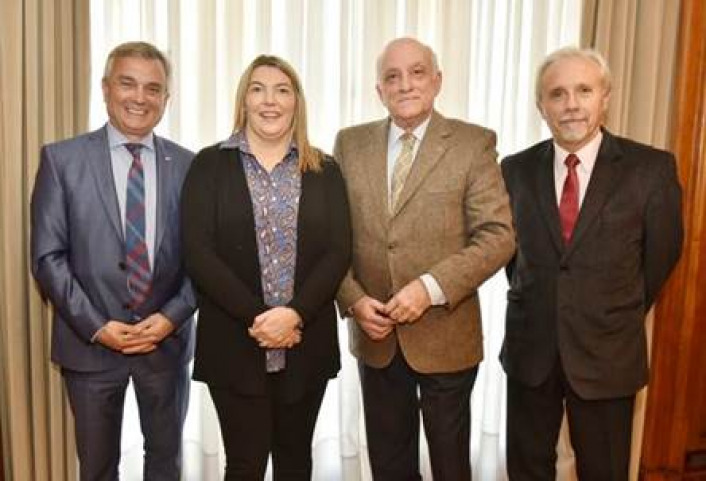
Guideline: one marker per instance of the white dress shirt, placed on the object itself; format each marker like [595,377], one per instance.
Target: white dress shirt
[587,156]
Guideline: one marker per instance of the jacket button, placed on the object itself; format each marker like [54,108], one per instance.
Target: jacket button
[122,266]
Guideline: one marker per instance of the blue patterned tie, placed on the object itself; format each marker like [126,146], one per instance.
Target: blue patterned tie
[139,276]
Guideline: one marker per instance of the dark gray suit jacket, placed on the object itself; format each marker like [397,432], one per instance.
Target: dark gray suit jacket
[78,253]
[587,302]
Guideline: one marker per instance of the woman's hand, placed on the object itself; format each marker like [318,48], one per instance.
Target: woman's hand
[279,327]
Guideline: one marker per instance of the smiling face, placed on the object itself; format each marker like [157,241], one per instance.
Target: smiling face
[573,101]
[135,95]
[408,82]
[270,102]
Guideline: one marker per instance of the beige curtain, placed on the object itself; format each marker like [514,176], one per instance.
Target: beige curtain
[639,39]
[44,74]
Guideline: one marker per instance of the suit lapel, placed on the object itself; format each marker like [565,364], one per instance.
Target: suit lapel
[98,151]
[604,179]
[375,151]
[163,165]
[433,146]
[546,195]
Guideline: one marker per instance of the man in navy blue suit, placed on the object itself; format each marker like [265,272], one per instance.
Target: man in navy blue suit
[106,252]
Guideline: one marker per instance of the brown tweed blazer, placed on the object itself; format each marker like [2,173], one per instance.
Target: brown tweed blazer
[452,221]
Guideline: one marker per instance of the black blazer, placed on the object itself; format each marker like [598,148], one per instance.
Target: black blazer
[587,302]
[220,249]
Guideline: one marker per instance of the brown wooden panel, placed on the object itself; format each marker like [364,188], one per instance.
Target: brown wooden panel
[693,477]
[674,444]
[695,461]
[696,390]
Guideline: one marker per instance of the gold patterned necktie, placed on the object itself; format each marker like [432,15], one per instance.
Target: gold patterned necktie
[400,171]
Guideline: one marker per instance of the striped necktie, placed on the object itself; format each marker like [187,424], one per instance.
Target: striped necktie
[401,169]
[139,275]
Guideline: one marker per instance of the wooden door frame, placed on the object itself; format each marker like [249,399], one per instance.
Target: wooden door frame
[672,449]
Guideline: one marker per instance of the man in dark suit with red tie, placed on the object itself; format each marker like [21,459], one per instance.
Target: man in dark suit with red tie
[598,222]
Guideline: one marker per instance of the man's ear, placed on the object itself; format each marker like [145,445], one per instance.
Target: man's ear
[540,109]
[104,88]
[439,80]
[605,101]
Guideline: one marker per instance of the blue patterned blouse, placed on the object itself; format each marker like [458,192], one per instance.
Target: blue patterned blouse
[275,200]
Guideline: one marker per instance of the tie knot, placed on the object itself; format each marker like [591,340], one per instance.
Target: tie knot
[571,161]
[134,149]
[407,139]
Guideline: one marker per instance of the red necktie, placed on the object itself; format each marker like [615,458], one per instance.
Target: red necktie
[569,203]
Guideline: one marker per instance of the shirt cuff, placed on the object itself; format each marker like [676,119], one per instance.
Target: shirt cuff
[433,289]
[94,339]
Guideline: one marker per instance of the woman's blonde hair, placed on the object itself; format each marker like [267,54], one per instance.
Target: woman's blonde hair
[310,158]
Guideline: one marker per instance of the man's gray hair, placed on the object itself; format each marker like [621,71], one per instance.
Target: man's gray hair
[142,50]
[427,48]
[572,52]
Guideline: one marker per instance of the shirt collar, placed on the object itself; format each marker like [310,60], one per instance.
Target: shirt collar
[239,140]
[586,154]
[396,132]
[117,138]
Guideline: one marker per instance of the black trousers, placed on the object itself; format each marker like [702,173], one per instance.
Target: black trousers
[600,431]
[392,398]
[252,427]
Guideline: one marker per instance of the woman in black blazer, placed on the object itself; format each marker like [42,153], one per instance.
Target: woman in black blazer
[267,238]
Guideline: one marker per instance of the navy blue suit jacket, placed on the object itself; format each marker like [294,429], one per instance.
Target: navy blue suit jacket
[78,253]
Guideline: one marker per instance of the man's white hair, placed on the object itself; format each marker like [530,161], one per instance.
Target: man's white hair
[572,52]
[427,48]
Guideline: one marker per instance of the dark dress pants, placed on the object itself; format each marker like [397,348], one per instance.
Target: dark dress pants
[97,401]
[600,431]
[392,397]
[252,427]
